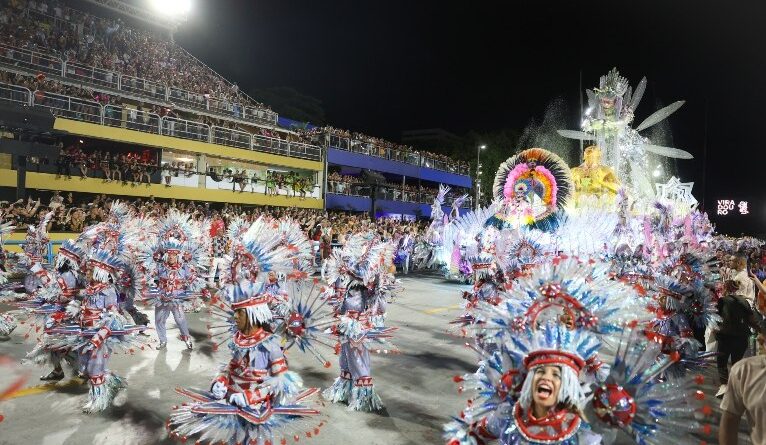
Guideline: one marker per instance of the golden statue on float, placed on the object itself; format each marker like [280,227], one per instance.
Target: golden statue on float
[595,184]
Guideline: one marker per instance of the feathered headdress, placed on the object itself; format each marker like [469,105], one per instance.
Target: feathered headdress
[362,260]
[576,294]
[176,234]
[437,214]
[294,239]
[612,84]
[259,250]
[649,410]
[555,344]
[540,179]
[105,266]
[71,253]
[519,250]
[237,228]
[118,211]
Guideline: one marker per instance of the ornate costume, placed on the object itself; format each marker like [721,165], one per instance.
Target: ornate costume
[97,329]
[359,285]
[595,184]
[255,399]
[50,307]
[173,267]
[532,186]
[540,360]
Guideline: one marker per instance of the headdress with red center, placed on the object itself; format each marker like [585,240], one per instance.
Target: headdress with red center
[256,252]
[105,266]
[252,298]
[555,345]
[577,294]
[70,253]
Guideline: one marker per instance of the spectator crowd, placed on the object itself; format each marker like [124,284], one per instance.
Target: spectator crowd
[98,49]
[72,214]
[352,185]
[132,166]
[373,146]
[115,46]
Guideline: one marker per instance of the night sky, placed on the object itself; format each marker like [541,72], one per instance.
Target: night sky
[383,67]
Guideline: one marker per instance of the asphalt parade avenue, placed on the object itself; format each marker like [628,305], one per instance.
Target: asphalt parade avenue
[416,385]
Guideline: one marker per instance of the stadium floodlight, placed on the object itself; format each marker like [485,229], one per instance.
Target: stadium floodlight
[172,7]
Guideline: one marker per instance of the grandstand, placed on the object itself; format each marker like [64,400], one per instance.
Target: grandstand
[116,87]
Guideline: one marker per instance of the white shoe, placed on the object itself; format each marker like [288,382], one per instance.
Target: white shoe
[162,345]
[721,391]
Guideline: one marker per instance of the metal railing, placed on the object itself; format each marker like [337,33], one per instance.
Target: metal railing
[184,129]
[390,193]
[132,119]
[92,75]
[180,96]
[31,60]
[260,115]
[381,151]
[306,151]
[279,146]
[427,161]
[348,188]
[53,64]
[397,193]
[15,94]
[69,107]
[143,87]
[231,138]
[339,142]
[394,154]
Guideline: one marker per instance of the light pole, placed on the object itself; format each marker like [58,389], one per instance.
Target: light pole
[478,174]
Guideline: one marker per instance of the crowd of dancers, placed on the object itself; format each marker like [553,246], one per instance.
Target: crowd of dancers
[85,308]
[596,329]
[592,333]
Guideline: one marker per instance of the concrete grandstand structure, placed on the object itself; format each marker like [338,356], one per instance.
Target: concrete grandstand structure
[234,143]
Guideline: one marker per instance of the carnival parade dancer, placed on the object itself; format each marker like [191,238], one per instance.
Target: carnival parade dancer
[360,283]
[52,306]
[218,245]
[533,384]
[35,248]
[426,252]
[98,330]
[174,266]
[256,399]
[121,234]
[7,323]
[404,251]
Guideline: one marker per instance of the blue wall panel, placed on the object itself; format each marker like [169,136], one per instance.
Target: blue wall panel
[382,206]
[342,157]
[430,174]
[347,158]
[348,203]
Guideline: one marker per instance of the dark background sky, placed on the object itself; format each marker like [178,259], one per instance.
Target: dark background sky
[385,66]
